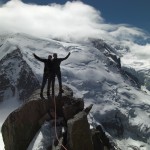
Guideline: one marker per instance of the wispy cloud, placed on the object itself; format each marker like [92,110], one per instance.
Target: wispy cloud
[71,21]
[74,20]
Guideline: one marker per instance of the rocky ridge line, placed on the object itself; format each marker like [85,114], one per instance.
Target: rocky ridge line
[22,124]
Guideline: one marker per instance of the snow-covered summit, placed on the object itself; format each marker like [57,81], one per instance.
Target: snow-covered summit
[94,73]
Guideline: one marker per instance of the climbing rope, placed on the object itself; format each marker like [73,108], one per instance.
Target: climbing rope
[55,124]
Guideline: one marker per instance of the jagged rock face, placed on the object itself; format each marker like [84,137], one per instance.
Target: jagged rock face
[16,77]
[79,135]
[4,84]
[97,142]
[21,125]
[72,107]
[101,141]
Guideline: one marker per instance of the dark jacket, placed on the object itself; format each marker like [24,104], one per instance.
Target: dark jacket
[56,63]
[47,64]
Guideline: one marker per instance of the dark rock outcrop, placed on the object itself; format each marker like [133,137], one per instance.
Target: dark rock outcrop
[101,141]
[72,107]
[21,126]
[113,58]
[79,134]
[4,84]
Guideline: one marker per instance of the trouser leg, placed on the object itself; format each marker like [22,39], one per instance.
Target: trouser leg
[53,86]
[48,86]
[59,81]
[43,83]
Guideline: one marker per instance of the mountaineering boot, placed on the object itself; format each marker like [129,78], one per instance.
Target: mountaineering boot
[61,91]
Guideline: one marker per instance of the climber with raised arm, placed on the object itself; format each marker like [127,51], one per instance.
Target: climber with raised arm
[57,72]
[47,75]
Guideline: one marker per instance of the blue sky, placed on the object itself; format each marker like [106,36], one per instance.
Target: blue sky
[118,18]
[132,12]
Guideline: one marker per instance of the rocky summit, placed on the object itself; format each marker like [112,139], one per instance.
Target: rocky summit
[21,126]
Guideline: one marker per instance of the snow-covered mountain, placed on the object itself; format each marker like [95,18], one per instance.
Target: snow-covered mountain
[94,72]
[17,78]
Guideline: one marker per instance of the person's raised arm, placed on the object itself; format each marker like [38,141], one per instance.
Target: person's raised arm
[65,57]
[38,58]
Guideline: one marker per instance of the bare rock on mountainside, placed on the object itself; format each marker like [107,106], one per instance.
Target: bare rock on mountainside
[16,76]
[79,134]
[21,126]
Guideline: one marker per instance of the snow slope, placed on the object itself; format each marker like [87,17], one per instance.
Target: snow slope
[121,107]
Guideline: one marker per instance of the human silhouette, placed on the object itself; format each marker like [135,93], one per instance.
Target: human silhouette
[47,75]
[57,72]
